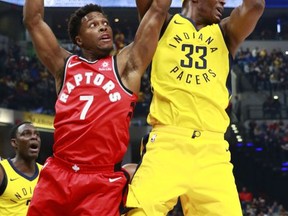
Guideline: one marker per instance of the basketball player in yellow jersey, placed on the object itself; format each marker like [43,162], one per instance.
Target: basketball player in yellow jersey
[186,154]
[19,175]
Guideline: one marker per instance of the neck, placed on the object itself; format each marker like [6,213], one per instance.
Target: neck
[92,56]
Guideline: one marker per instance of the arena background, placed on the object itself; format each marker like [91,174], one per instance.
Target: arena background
[250,168]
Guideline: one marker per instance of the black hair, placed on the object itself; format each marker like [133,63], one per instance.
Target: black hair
[75,20]
[14,129]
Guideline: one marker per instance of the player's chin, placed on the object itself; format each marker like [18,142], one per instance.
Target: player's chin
[33,156]
[107,48]
[106,44]
[217,19]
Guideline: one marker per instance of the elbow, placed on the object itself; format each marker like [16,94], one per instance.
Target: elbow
[161,7]
[161,13]
[259,5]
[26,18]
[31,20]
[27,21]
[255,7]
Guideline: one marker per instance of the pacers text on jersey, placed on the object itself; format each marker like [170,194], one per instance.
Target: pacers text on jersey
[188,77]
[194,58]
[195,35]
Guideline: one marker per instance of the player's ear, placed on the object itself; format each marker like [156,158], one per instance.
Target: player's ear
[13,142]
[78,40]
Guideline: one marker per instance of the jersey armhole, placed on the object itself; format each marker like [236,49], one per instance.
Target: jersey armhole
[4,182]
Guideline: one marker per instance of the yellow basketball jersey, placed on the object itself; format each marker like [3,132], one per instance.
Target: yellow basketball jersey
[18,193]
[189,76]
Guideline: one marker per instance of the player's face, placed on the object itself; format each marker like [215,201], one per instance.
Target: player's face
[211,10]
[27,141]
[95,34]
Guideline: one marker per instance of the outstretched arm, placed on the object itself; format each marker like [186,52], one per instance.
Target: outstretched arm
[242,21]
[44,41]
[142,7]
[135,58]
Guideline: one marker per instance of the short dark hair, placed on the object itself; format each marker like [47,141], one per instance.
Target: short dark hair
[76,18]
[15,128]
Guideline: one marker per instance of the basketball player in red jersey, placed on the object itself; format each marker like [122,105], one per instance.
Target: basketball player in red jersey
[96,97]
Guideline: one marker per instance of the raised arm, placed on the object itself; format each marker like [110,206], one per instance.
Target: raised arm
[242,21]
[134,59]
[44,41]
[142,7]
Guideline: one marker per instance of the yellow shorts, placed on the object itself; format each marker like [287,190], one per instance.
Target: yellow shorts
[192,165]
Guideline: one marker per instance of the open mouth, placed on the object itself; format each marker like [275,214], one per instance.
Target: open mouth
[105,37]
[34,148]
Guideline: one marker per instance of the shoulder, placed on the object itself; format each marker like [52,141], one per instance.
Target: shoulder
[2,170]
[3,178]
[4,163]
[39,166]
[171,17]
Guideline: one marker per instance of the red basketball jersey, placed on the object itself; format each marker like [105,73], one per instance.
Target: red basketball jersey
[93,113]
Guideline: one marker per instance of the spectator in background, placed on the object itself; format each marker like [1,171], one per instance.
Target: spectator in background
[236,107]
[284,153]
[19,175]
[276,108]
[119,42]
[272,108]
[245,196]
[267,106]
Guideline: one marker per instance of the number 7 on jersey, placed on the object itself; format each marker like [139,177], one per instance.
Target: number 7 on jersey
[89,99]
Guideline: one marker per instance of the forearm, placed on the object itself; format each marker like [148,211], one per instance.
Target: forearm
[142,7]
[255,5]
[50,54]
[33,12]
[241,23]
[248,16]
[147,35]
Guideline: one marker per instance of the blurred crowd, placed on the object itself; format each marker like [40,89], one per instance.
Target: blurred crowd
[265,70]
[271,138]
[25,84]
